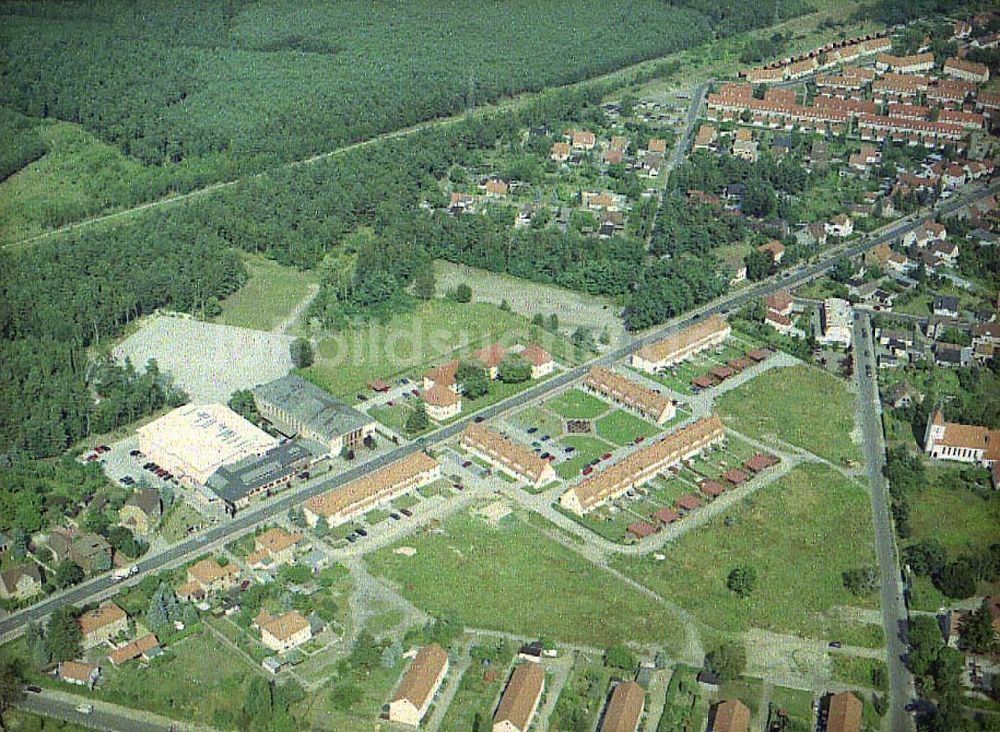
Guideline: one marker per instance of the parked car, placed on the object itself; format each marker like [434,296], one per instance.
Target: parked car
[361,532]
[134,453]
[569,449]
[467,464]
[545,455]
[406,512]
[639,439]
[394,516]
[479,418]
[588,470]
[33,689]
[352,538]
[531,430]
[606,456]
[545,438]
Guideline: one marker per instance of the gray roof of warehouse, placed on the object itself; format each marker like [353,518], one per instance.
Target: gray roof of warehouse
[307,403]
[234,481]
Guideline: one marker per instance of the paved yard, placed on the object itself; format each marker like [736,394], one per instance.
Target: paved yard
[208,360]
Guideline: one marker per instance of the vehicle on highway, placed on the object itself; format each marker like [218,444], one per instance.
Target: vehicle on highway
[123,573]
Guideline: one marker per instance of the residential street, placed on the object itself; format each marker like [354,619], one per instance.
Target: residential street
[894,618]
[12,625]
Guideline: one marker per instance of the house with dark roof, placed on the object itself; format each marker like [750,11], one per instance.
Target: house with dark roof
[141,511]
[20,582]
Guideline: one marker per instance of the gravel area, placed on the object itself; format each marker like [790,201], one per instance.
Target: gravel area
[207,360]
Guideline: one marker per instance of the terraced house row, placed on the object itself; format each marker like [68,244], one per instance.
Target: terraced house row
[506,455]
[664,353]
[362,495]
[626,393]
[642,466]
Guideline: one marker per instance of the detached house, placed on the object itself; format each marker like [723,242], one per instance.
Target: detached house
[21,582]
[141,511]
[284,632]
[491,357]
[840,226]
[441,402]
[541,362]
[211,577]
[101,625]
[274,546]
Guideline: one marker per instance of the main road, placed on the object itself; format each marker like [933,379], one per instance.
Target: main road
[894,615]
[15,623]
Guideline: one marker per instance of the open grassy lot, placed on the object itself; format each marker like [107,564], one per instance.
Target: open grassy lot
[859,671]
[269,296]
[587,448]
[801,405]
[198,679]
[546,422]
[468,571]
[577,404]
[180,517]
[799,533]
[797,703]
[962,520]
[747,690]
[409,344]
[621,427]
[72,180]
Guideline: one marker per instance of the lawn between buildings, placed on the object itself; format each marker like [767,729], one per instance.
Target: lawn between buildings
[799,534]
[517,580]
[801,405]
[411,343]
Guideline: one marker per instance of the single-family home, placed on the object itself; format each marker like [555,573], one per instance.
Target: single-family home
[79,673]
[284,632]
[141,511]
[840,226]
[542,363]
[945,305]
[441,402]
[101,624]
[20,582]
[212,577]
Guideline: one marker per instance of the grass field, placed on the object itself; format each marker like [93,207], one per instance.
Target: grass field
[801,405]
[960,519]
[587,448]
[180,517]
[796,702]
[546,422]
[434,332]
[269,296]
[76,177]
[799,533]
[577,404]
[621,427]
[200,678]
[517,580]
[858,671]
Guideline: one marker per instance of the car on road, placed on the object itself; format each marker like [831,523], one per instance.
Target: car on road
[362,398]
[639,439]
[545,438]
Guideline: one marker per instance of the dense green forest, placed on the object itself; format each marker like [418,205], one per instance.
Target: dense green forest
[22,144]
[203,91]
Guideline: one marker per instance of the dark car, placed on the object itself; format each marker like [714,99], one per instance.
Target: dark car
[394,516]
[406,512]
[361,532]
[33,689]
[639,439]
[415,392]
[478,419]
[545,455]
[836,644]
[545,438]
[134,453]
[459,487]
[532,430]
[467,464]
[569,449]
[352,538]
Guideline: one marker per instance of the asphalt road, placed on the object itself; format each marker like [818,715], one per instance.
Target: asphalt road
[15,623]
[103,717]
[894,616]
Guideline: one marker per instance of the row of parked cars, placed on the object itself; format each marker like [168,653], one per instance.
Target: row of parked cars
[360,532]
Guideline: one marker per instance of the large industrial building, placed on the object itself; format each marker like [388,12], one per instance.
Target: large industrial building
[194,441]
[298,408]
